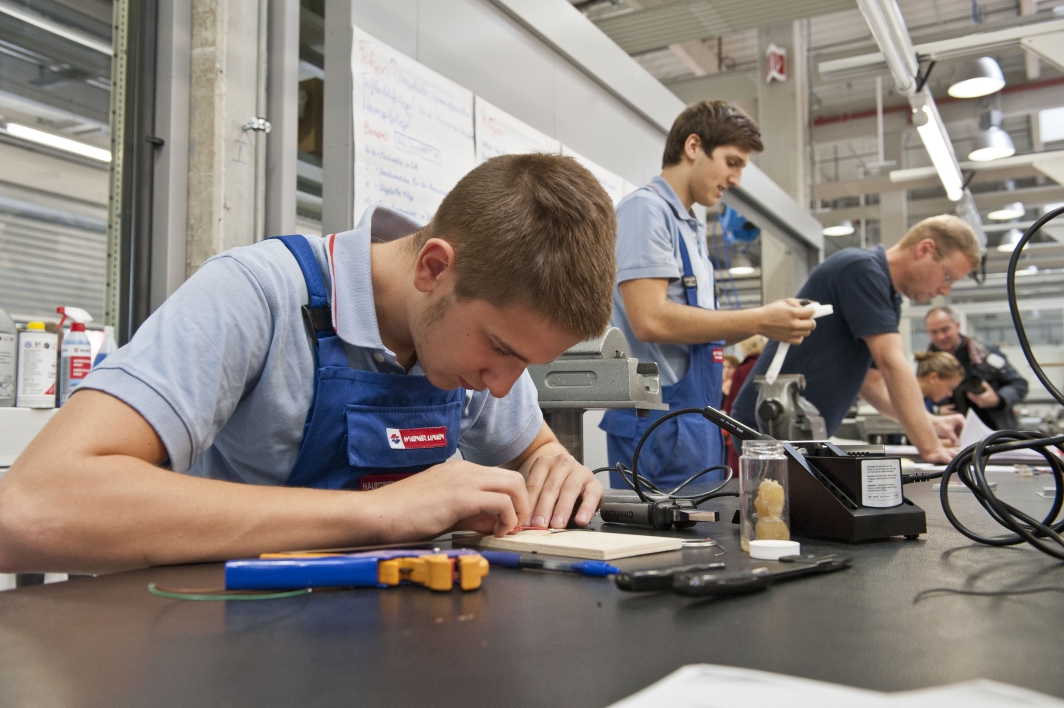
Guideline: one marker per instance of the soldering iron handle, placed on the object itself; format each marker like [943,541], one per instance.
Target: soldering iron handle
[733,426]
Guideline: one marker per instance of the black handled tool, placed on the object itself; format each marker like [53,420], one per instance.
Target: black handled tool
[660,579]
[718,584]
[661,515]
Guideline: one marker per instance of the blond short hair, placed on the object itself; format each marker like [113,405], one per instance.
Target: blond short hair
[950,234]
[753,346]
[942,363]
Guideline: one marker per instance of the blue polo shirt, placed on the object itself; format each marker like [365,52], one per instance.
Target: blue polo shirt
[834,359]
[224,369]
[650,223]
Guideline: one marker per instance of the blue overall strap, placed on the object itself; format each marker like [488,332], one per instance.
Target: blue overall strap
[690,283]
[318,315]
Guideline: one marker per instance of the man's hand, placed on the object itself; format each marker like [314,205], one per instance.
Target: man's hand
[947,409]
[786,320]
[554,483]
[987,398]
[455,495]
[948,427]
[939,455]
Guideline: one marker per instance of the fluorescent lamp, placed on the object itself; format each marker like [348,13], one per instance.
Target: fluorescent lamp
[992,144]
[1009,240]
[844,228]
[932,133]
[39,136]
[981,77]
[1016,210]
[1029,270]
[741,265]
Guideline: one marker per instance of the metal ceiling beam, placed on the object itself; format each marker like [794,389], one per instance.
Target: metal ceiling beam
[731,87]
[684,20]
[969,45]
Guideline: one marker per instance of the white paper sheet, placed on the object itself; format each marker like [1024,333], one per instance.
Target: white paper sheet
[612,183]
[413,131]
[711,686]
[499,133]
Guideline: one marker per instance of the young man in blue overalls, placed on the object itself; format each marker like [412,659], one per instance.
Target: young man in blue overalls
[665,303]
[285,374]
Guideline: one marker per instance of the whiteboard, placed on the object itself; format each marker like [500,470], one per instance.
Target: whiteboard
[499,133]
[413,131]
[613,184]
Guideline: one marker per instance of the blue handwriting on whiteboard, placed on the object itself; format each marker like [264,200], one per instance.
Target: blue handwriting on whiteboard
[416,147]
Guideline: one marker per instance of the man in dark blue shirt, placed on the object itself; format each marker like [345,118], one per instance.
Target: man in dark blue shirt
[865,288]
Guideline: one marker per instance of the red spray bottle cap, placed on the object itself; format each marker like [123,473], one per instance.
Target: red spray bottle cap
[77,327]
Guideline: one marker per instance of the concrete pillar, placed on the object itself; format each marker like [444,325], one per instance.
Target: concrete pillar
[221,161]
[783,110]
[894,205]
[778,263]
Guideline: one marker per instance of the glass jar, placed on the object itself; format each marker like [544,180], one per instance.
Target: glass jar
[763,495]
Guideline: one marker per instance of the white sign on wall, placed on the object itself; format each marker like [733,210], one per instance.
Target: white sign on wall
[613,184]
[413,131]
[499,133]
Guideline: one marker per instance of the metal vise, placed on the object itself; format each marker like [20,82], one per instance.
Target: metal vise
[597,373]
[782,412]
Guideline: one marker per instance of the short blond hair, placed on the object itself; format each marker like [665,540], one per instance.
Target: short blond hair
[950,234]
[942,363]
[753,346]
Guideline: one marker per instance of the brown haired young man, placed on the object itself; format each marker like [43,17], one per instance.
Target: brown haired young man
[665,303]
[284,374]
[865,288]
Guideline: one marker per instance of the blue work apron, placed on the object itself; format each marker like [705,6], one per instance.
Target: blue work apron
[687,444]
[365,429]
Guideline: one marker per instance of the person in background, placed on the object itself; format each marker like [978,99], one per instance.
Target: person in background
[865,289]
[938,373]
[664,299]
[730,362]
[1000,387]
[751,347]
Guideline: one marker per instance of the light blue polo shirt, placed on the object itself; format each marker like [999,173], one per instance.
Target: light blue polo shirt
[649,227]
[224,369]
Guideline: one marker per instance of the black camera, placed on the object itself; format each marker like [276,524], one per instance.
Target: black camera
[972,383]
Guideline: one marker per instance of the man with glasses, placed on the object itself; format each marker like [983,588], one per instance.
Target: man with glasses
[858,349]
[992,386]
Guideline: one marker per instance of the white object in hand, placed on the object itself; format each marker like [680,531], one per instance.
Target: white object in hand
[781,352]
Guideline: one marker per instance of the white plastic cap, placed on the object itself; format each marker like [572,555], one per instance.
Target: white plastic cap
[774,550]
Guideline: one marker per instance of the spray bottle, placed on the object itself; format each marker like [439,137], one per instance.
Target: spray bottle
[108,346]
[35,383]
[75,357]
[8,350]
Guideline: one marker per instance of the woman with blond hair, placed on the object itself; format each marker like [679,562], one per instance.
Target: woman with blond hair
[938,373]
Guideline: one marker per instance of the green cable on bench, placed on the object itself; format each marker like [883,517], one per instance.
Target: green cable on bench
[202,597]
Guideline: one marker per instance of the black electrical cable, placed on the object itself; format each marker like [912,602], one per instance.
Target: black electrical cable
[637,482]
[970,465]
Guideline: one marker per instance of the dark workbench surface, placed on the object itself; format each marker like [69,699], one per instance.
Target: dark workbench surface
[541,639]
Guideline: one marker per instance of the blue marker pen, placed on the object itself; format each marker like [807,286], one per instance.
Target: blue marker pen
[506,559]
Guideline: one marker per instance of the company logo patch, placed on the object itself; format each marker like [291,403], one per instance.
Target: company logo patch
[417,438]
[718,356]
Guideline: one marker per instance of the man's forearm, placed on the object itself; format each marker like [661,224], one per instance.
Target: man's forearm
[682,324]
[908,404]
[115,512]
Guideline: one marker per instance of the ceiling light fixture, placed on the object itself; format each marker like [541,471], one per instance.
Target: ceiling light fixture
[991,143]
[741,265]
[844,228]
[1016,210]
[981,77]
[933,134]
[1009,240]
[56,141]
